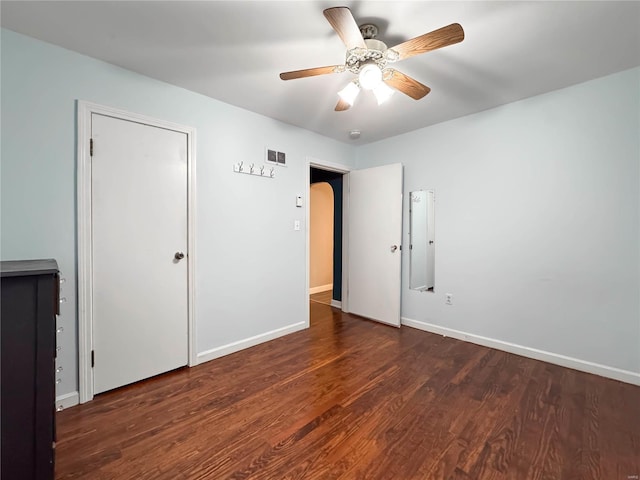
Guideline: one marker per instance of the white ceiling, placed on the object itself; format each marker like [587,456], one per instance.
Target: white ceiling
[233,51]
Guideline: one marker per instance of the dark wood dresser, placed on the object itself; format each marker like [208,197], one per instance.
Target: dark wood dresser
[29,291]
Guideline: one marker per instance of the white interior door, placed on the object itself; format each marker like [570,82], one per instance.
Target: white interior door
[375,234]
[139,223]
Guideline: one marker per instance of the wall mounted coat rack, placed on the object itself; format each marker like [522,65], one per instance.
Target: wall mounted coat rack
[262,171]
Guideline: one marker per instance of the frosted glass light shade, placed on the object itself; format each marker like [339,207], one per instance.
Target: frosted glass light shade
[349,93]
[382,93]
[370,76]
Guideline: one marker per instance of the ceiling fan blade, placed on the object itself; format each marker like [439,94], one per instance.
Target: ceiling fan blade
[341,106]
[345,26]
[442,37]
[311,72]
[406,84]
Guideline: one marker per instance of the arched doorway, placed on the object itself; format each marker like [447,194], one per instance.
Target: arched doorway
[325,238]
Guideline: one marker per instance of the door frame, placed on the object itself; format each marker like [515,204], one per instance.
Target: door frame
[84,233]
[344,169]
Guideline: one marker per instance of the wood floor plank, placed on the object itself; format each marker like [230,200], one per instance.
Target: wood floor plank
[619,435]
[351,399]
[385,434]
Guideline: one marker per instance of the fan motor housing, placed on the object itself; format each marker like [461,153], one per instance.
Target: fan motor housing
[375,44]
[376,52]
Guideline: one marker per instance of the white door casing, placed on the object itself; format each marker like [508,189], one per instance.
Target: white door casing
[332,167]
[136,210]
[374,250]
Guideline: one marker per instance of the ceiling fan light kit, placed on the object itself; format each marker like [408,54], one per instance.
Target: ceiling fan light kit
[380,90]
[350,92]
[382,93]
[370,76]
[367,57]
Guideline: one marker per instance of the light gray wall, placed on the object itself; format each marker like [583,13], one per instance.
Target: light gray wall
[537,220]
[537,206]
[251,264]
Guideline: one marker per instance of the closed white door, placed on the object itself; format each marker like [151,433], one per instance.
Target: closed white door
[375,234]
[139,231]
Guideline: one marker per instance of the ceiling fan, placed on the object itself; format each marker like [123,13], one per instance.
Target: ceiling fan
[368,57]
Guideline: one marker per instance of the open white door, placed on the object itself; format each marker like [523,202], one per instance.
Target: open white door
[375,234]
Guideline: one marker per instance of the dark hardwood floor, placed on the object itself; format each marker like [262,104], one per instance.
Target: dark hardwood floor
[352,399]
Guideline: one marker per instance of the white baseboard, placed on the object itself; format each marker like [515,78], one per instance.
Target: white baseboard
[562,360]
[67,400]
[321,288]
[218,352]
[336,303]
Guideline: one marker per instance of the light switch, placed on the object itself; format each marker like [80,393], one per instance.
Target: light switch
[296,225]
[299,201]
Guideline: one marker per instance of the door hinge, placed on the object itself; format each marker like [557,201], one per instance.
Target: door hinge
[91,147]
[93,358]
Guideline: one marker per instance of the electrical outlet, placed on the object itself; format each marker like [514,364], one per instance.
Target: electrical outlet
[448,298]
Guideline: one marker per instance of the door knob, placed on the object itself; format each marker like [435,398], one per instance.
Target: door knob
[393,248]
[179,256]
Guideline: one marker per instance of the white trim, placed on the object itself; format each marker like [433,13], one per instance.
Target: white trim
[321,288]
[233,347]
[307,262]
[346,179]
[191,239]
[67,400]
[557,359]
[332,167]
[336,303]
[85,302]
[85,305]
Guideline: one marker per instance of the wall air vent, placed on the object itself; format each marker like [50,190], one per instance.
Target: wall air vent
[276,158]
